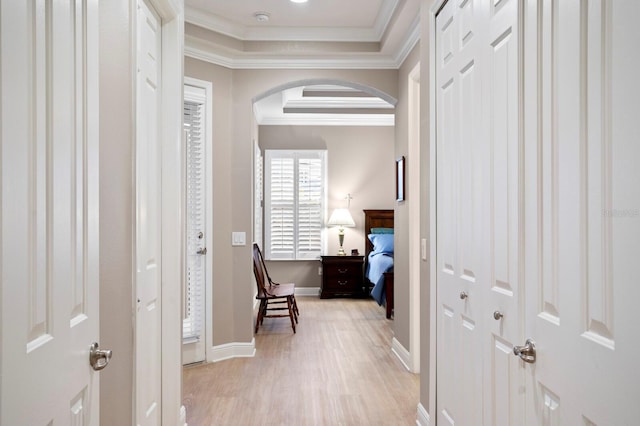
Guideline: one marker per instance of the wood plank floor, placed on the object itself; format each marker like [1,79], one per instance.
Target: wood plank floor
[337,369]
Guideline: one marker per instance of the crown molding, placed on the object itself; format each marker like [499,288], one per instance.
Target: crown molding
[197,49]
[221,25]
[330,120]
[353,61]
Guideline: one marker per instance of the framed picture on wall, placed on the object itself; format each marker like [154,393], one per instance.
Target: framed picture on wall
[400,179]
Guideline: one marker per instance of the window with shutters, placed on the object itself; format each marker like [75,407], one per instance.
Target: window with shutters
[295,203]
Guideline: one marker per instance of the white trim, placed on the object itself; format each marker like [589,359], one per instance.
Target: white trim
[280,61]
[205,51]
[423,418]
[240,32]
[432,207]
[402,354]
[329,120]
[415,259]
[182,417]
[172,175]
[208,291]
[307,291]
[232,350]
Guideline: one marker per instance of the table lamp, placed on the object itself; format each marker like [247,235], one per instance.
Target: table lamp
[341,218]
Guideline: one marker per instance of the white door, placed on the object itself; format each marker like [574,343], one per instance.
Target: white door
[461,273]
[193,327]
[479,190]
[583,214]
[148,219]
[49,194]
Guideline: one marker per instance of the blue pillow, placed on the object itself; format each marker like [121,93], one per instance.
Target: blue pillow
[382,243]
[382,230]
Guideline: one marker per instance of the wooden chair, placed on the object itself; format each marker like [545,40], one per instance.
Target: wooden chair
[272,295]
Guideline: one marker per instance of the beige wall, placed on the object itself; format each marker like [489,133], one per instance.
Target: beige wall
[401,311]
[360,162]
[116,210]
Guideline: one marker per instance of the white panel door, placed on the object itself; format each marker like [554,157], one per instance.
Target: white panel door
[479,196]
[502,177]
[49,193]
[583,213]
[148,218]
[461,209]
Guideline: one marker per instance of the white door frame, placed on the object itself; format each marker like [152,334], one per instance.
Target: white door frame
[433,283]
[415,255]
[173,202]
[207,86]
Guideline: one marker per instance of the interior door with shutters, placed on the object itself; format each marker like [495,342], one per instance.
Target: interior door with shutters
[148,218]
[49,179]
[583,213]
[193,329]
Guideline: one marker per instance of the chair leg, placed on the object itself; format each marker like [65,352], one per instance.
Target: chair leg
[295,306]
[290,306]
[261,313]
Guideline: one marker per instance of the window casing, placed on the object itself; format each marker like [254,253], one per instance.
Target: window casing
[295,204]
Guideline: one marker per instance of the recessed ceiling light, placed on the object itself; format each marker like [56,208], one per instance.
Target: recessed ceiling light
[298,1]
[261,16]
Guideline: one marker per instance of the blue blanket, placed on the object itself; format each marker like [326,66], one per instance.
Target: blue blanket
[378,264]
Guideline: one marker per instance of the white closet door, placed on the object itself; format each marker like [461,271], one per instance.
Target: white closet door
[148,219]
[49,296]
[583,213]
[461,258]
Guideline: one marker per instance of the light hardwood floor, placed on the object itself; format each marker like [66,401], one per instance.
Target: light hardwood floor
[337,369]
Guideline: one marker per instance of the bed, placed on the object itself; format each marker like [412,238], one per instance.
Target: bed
[379,258]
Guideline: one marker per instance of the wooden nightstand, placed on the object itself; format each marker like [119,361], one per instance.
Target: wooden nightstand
[342,276]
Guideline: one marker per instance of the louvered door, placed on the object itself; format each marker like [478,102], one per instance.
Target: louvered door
[193,328]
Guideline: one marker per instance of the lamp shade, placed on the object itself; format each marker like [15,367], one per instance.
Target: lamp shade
[342,218]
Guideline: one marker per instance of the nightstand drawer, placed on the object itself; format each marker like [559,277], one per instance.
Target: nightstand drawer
[344,284]
[343,271]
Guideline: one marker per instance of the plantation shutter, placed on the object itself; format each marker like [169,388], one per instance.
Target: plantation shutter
[310,195]
[192,325]
[294,204]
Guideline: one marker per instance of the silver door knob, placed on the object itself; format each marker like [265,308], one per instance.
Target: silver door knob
[203,251]
[497,315]
[527,353]
[463,295]
[98,358]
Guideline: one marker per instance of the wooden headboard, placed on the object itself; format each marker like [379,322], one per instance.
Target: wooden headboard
[375,219]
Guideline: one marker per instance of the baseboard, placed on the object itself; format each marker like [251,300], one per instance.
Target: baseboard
[307,291]
[182,420]
[423,418]
[402,354]
[232,350]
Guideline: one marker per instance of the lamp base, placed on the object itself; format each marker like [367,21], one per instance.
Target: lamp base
[341,252]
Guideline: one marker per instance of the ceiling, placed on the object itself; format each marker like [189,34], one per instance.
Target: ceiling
[356,34]
[319,34]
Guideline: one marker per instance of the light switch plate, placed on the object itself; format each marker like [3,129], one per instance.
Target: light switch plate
[238,238]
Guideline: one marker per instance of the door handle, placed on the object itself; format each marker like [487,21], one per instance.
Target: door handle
[527,353]
[202,251]
[99,358]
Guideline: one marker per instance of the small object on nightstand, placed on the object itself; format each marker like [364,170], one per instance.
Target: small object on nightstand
[354,252]
[342,276]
